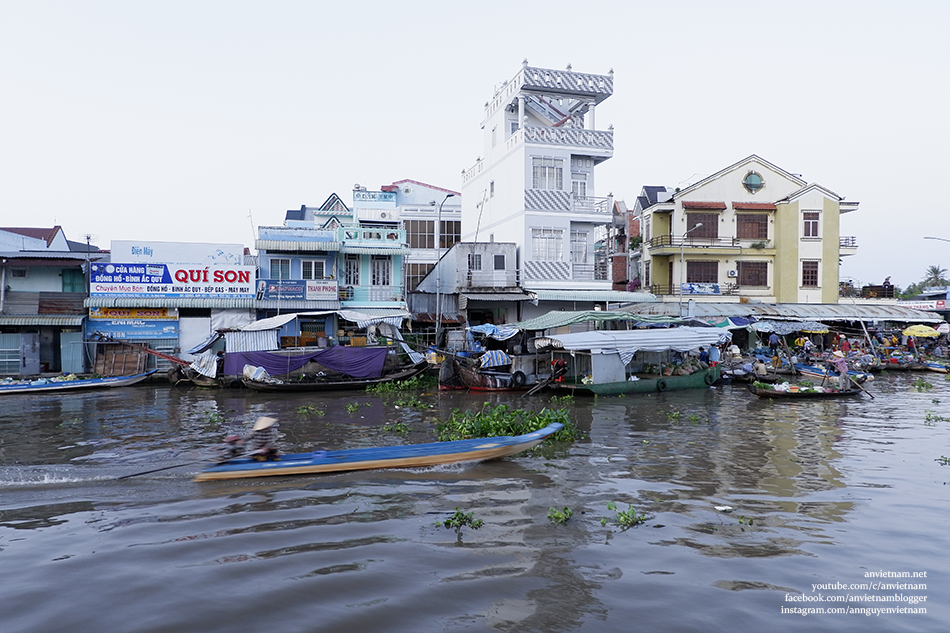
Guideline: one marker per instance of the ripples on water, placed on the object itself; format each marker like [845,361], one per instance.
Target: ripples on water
[832,488]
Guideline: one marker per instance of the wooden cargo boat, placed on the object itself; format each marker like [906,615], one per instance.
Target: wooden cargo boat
[801,393]
[336,383]
[410,456]
[44,385]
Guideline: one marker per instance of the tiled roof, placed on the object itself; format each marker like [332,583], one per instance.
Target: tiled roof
[717,206]
[753,206]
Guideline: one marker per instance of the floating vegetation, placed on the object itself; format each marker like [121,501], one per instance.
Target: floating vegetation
[930,418]
[397,427]
[565,399]
[943,460]
[412,402]
[922,385]
[626,519]
[460,520]
[502,420]
[416,383]
[309,409]
[560,517]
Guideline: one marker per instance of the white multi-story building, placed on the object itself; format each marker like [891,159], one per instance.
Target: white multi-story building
[535,181]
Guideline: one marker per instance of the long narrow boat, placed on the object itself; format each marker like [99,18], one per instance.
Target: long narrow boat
[823,373]
[801,394]
[340,383]
[45,385]
[411,456]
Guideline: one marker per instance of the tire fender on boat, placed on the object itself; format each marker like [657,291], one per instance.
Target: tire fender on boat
[518,379]
[709,379]
[661,385]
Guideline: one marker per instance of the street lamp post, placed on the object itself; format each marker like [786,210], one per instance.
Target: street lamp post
[438,273]
[682,265]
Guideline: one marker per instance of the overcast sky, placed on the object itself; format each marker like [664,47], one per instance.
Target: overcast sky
[197,121]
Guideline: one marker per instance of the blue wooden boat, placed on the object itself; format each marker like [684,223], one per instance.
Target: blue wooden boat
[45,385]
[410,456]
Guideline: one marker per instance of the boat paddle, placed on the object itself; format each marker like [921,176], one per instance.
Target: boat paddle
[860,386]
[202,461]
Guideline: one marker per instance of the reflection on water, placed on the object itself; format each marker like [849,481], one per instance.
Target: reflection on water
[818,491]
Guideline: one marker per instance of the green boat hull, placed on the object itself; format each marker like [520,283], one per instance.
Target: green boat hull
[697,380]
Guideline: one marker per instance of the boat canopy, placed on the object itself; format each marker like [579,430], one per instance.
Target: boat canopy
[499,333]
[561,318]
[629,342]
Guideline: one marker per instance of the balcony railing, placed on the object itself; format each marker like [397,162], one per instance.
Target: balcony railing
[674,290]
[381,294]
[708,242]
[490,278]
[363,236]
[848,241]
[575,137]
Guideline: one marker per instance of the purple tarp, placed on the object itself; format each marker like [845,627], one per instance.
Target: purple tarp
[358,362]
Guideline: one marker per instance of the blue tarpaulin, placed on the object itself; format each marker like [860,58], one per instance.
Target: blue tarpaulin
[493,358]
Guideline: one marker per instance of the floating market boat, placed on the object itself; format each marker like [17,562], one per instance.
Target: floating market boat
[792,392]
[45,385]
[616,362]
[261,381]
[409,456]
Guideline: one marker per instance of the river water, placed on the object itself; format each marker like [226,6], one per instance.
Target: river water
[827,492]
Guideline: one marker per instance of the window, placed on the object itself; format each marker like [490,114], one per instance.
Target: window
[381,270]
[279,268]
[416,273]
[579,185]
[312,269]
[647,225]
[810,274]
[351,270]
[18,273]
[753,273]
[74,281]
[491,189]
[494,136]
[499,262]
[420,233]
[709,228]
[702,272]
[578,247]
[810,219]
[646,274]
[546,245]
[752,226]
[753,182]
[547,173]
[450,233]
[474,261]
[514,127]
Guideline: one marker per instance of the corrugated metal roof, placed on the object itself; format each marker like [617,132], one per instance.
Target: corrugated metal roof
[793,311]
[168,302]
[617,296]
[294,246]
[560,318]
[42,319]
[496,296]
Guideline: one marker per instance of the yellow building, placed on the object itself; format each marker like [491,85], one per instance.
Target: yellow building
[752,231]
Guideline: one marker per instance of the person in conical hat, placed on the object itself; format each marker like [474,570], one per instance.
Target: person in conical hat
[263,438]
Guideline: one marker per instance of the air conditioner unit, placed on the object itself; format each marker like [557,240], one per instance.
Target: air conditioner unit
[732,273]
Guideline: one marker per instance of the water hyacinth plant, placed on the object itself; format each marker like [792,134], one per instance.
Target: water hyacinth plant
[503,420]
